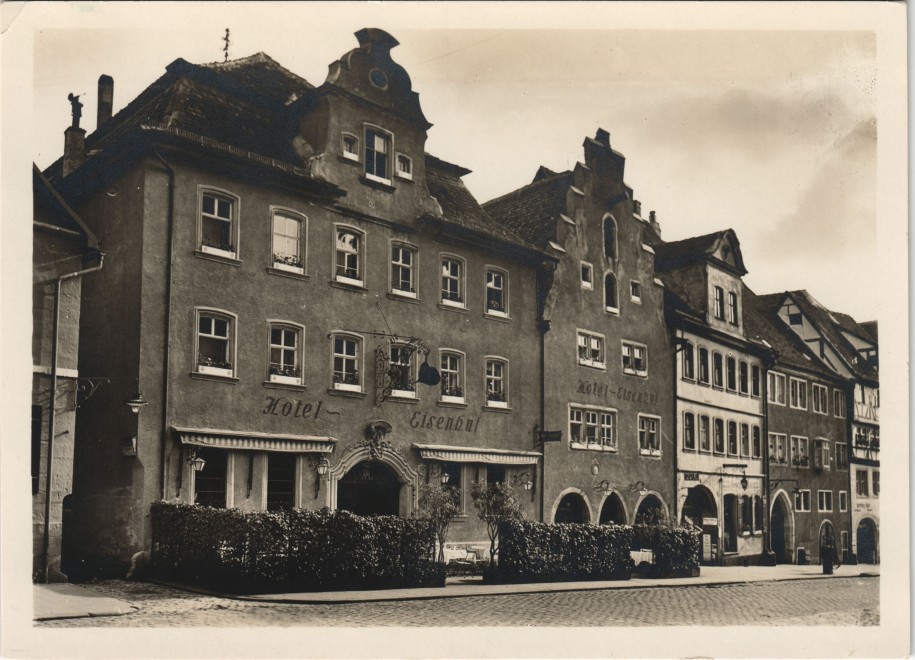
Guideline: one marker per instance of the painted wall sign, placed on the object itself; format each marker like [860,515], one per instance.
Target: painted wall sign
[691,476]
[602,390]
[421,420]
[597,389]
[296,408]
[713,522]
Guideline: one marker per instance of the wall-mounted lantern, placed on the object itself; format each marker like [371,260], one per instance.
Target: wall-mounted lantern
[195,460]
[136,402]
[320,466]
[526,481]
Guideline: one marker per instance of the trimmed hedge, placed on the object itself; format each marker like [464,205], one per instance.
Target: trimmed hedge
[291,550]
[676,549]
[544,552]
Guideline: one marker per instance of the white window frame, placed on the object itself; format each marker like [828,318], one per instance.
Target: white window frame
[800,389]
[633,370]
[843,464]
[587,344]
[344,278]
[461,359]
[233,221]
[866,481]
[487,286]
[406,174]
[277,259]
[800,450]
[843,501]
[412,268]
[716,423]
[822,455]
[732,424]
[604,422]
[230,480]
[503,378]
[358,358]
[718,377]
[616,293]
[718,303]
[746,442]
[733,302]
[650,451]
[389,162]
[231,340]
[296,483]
[635,291]
[755,381]
[802,500]
[777,384]
[839,404]
[778,448]
[730,373]
[707,363]
[691,417]
[823,501]
[708,434]
[299,330]
[461,303]
[586,273]
[688,360]
[350,155]
[756,441]
[399,346]
[743,377]
[820,394]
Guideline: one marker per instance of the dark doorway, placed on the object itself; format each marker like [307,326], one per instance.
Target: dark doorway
[572,509]
[612,512]
[867,542]
[370,488]
[700,510]
[651,511]
[777,525]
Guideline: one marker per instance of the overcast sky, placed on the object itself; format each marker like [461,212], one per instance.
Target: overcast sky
[769,132]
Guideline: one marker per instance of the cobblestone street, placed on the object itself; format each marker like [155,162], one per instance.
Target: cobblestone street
[833,602]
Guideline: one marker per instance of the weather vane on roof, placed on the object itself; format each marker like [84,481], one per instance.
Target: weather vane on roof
[225,49]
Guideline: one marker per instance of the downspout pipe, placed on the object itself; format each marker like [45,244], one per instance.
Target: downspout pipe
[170,222]
[52,406]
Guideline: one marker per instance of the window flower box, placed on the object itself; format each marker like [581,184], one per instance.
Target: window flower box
[288,263]
[214,370]
[452,299]
[348,384]
[492,403]
[218,249]
[649,451]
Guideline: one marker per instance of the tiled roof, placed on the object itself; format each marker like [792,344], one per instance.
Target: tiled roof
[54,210]
[459,206]
[678,253]
[261,77]
[533,211]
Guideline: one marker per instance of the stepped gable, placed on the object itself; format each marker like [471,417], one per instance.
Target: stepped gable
[533,211]
[459,207]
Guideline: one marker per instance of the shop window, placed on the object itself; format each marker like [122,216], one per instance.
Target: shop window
[285,354]
[732,308]
[404,167]
[799,456]
[348,258]
[824,501]
[732,374]
[591,350]
[717,370]
[754,381]
[401,371]
[719,303]
[452,373]
[403,271]
[496,292]
[820,399]
[215,343]
[587,276]
[288,242]
[799,394]
[719,436]
[743,380]
[350,147]
[689,365]
[776,393]
[609,238]
[703,366]
[218,224]
[802,501]
[861,485]
[377,155]
[495,474]
[635,359]
[704,432]
[649,435]
[280,480]
[689,431]
[210,482]
[496,383]
[347,354]
[821,456]
[732,438]
[452,282]
[611,294]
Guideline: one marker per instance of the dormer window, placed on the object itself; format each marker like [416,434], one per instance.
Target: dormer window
[404,167]
[377,155]
[350,147]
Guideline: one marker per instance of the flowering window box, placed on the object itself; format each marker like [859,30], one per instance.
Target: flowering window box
[452,399]
[348,387]
[289,268]
[403,394]
[496,404]
[649,451]
[227,251]
[285,380]
[213,370]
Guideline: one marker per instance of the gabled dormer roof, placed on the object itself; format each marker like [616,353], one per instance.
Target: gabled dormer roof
[534,210]
[720,248]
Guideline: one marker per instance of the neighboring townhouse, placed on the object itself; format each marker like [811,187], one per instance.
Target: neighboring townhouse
[807,450]
[317,312]
[608,416]
[719,389]
[850,350]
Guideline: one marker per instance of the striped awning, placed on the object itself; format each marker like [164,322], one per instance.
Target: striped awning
[477,455]
[254,441]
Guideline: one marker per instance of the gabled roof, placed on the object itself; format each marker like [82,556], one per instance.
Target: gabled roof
[459,206]
[53,210]
[720,247]
[830,326]
[533,210]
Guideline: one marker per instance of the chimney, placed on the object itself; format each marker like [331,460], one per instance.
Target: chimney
[603,137]
[653,221]
[74,148]
[105,99]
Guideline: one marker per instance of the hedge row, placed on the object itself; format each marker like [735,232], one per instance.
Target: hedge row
[291,550]
[676,549]
[544,552]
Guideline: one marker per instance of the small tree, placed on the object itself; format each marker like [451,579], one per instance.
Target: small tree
[440,505]
[496,503]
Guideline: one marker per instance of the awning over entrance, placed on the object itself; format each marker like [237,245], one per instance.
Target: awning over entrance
[255,441]
[477,455]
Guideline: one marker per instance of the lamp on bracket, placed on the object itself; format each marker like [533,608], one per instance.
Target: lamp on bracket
[195,460]
[744,482]
[320,466]
[524,480]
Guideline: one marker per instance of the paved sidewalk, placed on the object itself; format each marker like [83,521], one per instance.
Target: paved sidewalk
[465,587]
[67,601]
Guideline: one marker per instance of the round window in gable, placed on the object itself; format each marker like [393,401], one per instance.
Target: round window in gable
[378,78]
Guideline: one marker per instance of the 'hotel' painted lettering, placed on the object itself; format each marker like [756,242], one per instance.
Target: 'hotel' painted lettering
[421,420]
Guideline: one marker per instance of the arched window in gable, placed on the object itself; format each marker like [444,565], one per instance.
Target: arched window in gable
[610,237]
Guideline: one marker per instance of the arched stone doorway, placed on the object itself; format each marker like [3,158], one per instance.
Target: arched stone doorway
[612,512]
[867,541]
[572,508]
[827,533]
[651,511]
[369,488]
[781,530]
[700,509]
